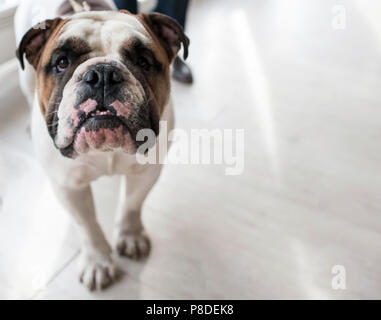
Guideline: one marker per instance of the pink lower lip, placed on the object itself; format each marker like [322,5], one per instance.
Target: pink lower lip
[103,139]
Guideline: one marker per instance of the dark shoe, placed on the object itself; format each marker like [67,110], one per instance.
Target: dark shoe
[181,71]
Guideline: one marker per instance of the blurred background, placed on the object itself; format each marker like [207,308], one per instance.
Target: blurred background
[302,78]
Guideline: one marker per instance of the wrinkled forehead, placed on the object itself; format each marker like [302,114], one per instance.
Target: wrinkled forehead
[104,31]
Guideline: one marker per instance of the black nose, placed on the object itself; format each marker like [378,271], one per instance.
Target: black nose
[103,75]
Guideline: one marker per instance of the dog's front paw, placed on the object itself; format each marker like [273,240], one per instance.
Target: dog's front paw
[133,245]
[97,272]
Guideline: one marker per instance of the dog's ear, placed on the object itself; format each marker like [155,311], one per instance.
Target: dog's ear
[168,31]
[34,41]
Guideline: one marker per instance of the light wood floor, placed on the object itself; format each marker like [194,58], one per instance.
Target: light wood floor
[308,97]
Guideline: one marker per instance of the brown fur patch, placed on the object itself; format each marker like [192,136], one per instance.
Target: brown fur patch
[47,85]
[157,83]
[167,30]
[33,42]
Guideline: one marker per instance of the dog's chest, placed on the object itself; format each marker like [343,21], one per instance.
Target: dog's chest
[91,168]
[110,163]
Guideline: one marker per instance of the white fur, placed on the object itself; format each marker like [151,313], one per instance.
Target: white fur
[71,179]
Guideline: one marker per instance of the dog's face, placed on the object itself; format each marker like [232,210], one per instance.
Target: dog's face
[102,76]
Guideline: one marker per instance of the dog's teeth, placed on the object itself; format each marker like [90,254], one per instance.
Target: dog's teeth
[100,113]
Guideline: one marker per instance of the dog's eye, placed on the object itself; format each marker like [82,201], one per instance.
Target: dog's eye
[143,63]
[62,64]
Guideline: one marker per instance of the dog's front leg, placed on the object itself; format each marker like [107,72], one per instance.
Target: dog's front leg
[129,237]
[96,266]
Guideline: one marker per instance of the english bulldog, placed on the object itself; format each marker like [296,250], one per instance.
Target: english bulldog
[95,79]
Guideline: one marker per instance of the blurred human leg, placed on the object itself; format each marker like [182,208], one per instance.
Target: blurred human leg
[130,5]
[177,9]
